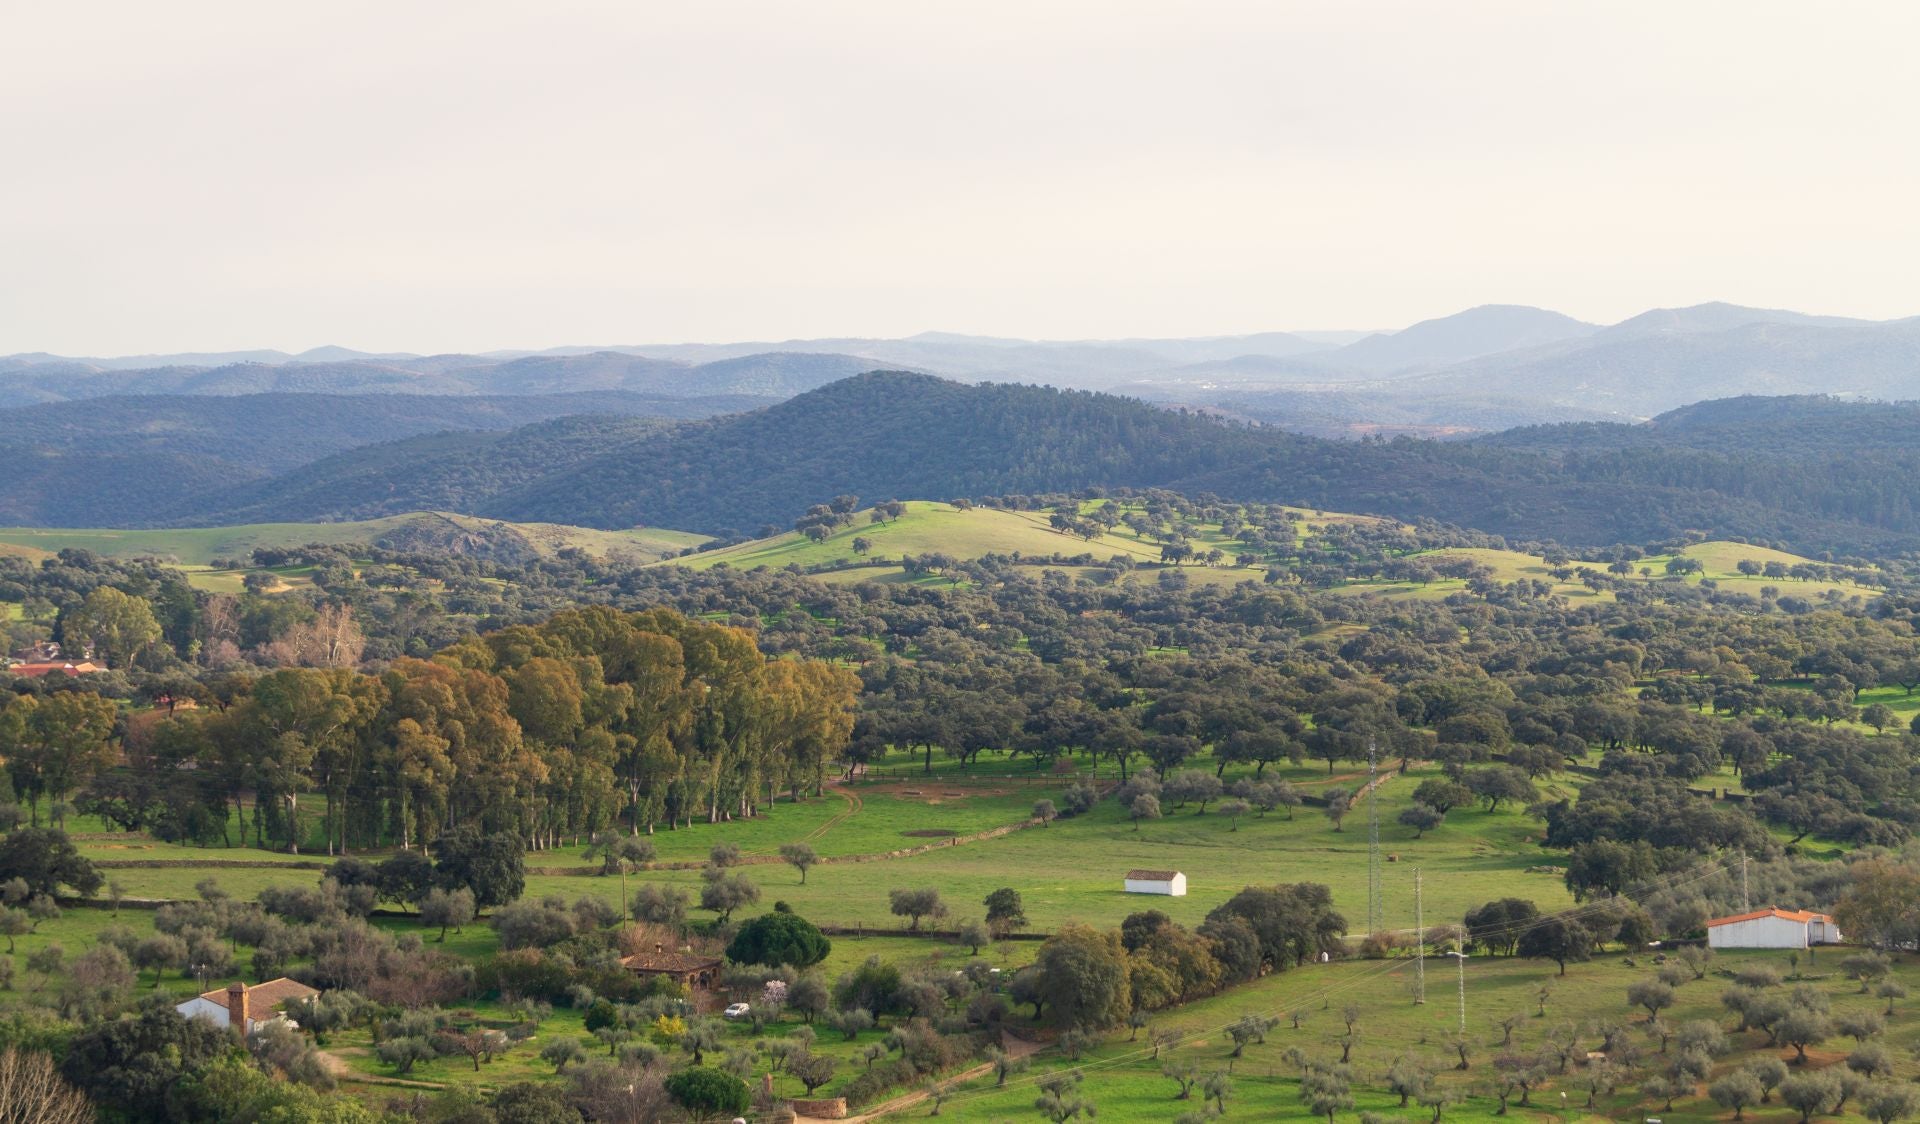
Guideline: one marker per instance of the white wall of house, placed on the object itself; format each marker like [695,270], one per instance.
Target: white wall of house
[1759,932]
[1173,887]
[201,1007]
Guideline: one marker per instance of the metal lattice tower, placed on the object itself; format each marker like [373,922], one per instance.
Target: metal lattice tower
[1374,919]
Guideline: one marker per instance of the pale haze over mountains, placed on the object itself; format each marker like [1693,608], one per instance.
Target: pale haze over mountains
[1485,368]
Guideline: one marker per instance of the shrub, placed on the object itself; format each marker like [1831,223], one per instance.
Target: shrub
[533,924]
[705,1092]
[874,986]
[525,973]
[779,938]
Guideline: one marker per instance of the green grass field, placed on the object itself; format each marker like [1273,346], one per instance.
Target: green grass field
[1071,871]
[1126,1084]
[198,546]
[1718,559]
[928,527]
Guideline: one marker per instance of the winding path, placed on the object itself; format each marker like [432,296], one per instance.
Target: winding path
[1017,1047]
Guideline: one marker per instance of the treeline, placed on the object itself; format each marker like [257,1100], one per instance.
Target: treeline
[590,719]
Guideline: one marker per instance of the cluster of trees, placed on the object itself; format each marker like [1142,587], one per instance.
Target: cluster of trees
[590,720]
[822,519]
[1091,980]
[1672,680]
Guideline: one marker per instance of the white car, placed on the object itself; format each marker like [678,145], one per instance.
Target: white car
[737,1011]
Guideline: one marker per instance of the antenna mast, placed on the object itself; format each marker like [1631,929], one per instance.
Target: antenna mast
[1373,838]
[1419,945]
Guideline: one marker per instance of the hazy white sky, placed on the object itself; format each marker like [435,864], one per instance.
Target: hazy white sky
[465,176]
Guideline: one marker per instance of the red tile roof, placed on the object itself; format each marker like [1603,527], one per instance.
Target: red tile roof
[36,670]
[670,962]
[267,996]
[1152,875]
[1785,914]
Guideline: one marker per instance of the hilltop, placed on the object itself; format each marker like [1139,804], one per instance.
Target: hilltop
[218,557]
[1838,479]
[42,379]
[924,540]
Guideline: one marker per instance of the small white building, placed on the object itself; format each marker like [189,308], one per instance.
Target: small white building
[246,1007]
[1772,928]
[1169,882]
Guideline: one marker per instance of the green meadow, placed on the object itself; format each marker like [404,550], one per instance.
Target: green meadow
[199,546]
[1125,1082]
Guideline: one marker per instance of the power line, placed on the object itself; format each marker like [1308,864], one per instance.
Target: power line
[1327,992]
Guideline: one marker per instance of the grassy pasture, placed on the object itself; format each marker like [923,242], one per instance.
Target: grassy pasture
[930,527]
[198,546]
[926,528]
[1126,1083]
[1720,561]
[1069,871]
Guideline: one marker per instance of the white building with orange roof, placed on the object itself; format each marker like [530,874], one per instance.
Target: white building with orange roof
[247,1008]
[1772,928]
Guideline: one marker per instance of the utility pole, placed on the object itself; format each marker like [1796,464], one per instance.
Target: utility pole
[1419,944]
[1460,958]
[1373,839]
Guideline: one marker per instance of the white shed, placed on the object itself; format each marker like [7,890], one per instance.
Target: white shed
[1169,882]
[1772,928]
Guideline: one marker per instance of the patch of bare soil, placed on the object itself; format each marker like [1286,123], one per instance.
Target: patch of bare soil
[934,793]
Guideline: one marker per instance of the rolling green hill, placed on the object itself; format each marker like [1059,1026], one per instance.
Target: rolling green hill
[1841,483]
[903,436]
[926,528]
[200,546]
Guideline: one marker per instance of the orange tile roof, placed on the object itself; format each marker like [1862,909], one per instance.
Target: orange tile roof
[669,962]
[36,670]
[267,996]
[1785,914]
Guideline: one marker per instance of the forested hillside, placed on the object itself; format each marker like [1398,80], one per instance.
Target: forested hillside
[276,432]
[138,460]
[461,472]
[893,435]
[1815,475]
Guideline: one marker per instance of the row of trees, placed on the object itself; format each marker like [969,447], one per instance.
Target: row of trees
[591,719]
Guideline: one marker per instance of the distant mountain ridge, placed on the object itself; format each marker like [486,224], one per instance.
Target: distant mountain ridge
[1486,330]
[1482,369]
[771,375]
